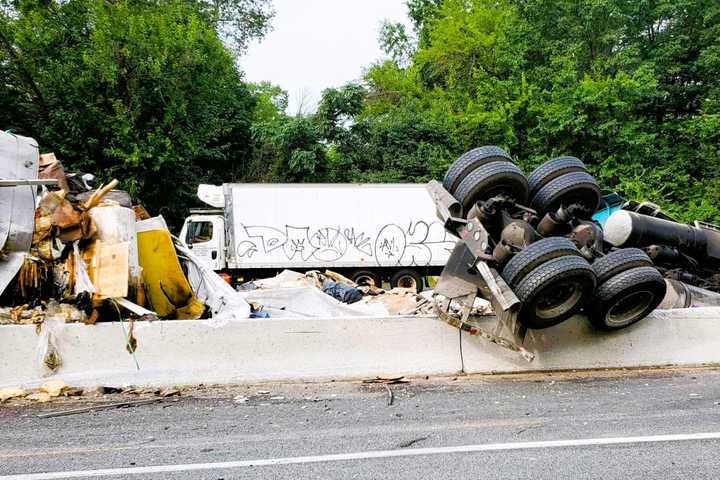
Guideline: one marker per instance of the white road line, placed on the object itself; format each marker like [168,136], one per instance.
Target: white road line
[490,447]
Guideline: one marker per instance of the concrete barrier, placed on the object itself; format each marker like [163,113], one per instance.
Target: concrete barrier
[248,351]
[190,352]
[666,337]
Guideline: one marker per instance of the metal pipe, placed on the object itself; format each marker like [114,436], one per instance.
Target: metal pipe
[18,181]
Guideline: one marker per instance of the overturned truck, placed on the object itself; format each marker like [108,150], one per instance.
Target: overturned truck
[536,248]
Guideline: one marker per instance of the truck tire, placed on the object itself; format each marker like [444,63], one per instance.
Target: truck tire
[489,180]
[567,189]
[536,254]
[469,161]
[554,291]
[552,169]
[626,298]
[366,277]
[407,278]
[618,261]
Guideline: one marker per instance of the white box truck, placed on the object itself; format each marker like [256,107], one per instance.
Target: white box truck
[370,232]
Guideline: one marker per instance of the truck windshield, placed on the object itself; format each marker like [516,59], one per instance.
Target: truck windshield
[199,232]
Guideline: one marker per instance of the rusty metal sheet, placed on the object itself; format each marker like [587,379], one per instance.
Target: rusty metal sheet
[19,159]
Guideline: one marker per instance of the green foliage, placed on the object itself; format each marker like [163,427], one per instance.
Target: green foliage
[144,91]
[238,21]
[629,87]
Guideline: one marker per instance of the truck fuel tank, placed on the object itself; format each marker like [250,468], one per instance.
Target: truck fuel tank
[630,229]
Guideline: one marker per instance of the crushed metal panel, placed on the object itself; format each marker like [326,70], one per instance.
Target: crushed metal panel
[19,159]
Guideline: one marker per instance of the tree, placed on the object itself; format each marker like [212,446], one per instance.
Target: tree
[144,91]
[630,87]
[238,21]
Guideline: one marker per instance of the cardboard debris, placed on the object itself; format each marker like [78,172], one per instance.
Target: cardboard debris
[51,168]
[401,301]
[54,388]
[11,392]
[40,397]
[108,267]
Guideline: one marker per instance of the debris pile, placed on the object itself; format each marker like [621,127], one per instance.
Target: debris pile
[322,294]
[80,253]
[93,256]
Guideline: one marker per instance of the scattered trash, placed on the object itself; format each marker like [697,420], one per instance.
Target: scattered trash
[291,294]
[342,292]
[387,381]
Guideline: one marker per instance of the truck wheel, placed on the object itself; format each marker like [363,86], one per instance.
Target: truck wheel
[469,161]
[489,180]
[626,298]
[366,278]
[618,261]
[570,188]
[554,291]
[552,169]
[407,278]
[536,254]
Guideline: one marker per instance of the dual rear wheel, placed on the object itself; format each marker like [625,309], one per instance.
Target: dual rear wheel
[404,278]
[551,277]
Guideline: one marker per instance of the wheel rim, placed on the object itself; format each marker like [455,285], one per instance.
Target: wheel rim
[365,280]
[407,281]
[629,308]
[558,299]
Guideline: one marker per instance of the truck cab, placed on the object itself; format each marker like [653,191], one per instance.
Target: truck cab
[204,233]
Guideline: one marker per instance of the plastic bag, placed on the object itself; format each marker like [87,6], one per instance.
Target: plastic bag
[82,279]
[48,355]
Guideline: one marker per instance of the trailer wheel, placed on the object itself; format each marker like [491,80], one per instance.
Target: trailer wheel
[469,161]
[619,261]
[489,180]
[407,278]
[570,188]
[626,298]
[554,291]
[552,169]
[536,254]
[366,278]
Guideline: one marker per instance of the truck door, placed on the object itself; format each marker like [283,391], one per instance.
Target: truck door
[206,237]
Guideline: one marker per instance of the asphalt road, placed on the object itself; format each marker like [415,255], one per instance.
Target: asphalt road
[656,424]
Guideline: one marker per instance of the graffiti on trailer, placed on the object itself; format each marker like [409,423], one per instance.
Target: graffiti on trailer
[393,246]
[359,240]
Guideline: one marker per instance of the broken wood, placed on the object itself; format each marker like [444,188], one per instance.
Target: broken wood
[99,194]
[106,406]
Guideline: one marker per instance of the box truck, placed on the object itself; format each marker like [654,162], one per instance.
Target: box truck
[372,233]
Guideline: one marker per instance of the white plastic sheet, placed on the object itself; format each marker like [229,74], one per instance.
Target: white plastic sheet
[292,295]
[226,304]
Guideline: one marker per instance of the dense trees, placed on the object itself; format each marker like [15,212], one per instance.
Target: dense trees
[148,91]
[631,87]
[141,90]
